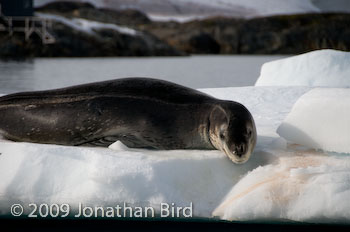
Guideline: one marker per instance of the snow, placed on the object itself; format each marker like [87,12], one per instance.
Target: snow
[315,116]
[300,181]
[281,181]
[100,176]
[278,182]
[330,68]
[88,26]
[175,18]
[184,10]
[308,187]
[267,7]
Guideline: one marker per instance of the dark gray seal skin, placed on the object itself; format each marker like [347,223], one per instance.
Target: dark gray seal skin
[139,112]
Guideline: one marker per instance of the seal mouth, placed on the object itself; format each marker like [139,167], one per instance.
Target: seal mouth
[234,157]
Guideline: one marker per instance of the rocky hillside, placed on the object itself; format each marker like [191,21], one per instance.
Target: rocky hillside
[290,34]
[100,41]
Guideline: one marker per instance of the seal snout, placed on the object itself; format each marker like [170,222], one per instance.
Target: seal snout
[240,149]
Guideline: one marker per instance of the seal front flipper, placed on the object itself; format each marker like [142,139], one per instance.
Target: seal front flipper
[129,141]
[100,142]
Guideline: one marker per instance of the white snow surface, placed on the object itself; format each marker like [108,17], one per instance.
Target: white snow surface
[184,10]
[88,26]
[278,182]
[158,17]
[329,68]
[300,186]
[233,8]
[318,114]
[266,7]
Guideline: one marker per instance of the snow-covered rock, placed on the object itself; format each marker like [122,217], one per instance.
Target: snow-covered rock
[327,67]
[267,7]
[160,9]
[88,26]
[320,119]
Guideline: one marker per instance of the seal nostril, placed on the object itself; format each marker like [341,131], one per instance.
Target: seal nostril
[240,149]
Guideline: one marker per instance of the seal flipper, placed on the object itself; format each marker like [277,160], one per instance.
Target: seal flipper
[100,142]
[130,141]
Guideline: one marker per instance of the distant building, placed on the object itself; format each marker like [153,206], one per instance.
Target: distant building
[18,16]
[17,7]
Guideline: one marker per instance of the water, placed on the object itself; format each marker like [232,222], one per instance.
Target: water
[193,71]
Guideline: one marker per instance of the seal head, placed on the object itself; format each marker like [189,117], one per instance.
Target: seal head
[232,130]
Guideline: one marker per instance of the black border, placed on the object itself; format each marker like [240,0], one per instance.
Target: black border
[178,225]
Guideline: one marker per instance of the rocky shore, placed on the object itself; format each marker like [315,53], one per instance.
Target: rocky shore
[291,34]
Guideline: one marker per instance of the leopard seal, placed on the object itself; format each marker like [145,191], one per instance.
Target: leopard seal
[139,112]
